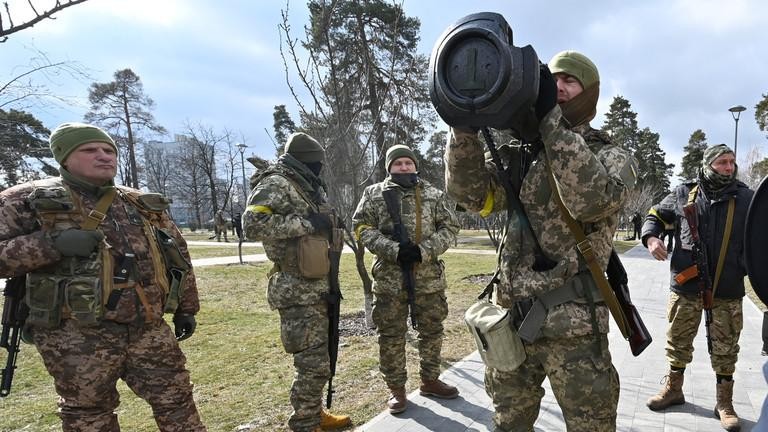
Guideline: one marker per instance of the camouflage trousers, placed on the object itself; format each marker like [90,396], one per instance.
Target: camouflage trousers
[684,313]
[219,230]
[584,382]
[304,333]
[86,363]
[390,314]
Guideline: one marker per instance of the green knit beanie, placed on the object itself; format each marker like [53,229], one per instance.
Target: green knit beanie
[397,151]
[576,65]
[304,148]
[69,136]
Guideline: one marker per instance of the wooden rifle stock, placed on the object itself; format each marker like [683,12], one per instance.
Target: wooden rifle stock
[639,337]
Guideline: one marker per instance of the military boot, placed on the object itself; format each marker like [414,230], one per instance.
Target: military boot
[397,402]
[438,389]
[330,421]
[671,394]
[724,408]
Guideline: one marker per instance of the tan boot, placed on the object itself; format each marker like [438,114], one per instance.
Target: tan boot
[724,408]
[438,389]
[671,394]
[330,421]
[397,402]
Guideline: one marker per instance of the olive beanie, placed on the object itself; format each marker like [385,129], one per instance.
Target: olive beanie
[304,148]
[69,136]
[397,151]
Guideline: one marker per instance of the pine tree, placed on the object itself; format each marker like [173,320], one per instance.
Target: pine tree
[694,152]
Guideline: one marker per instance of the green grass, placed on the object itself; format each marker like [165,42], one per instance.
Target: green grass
[221,251]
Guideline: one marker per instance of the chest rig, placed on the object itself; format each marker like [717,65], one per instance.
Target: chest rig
[81,288]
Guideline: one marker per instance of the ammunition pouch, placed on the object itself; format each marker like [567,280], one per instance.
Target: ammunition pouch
[312,251]
[44,296]
[176,266]
[83,299]
[530,313]
[497,341]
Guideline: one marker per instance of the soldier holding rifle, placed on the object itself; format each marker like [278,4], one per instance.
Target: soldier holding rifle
[408,224]
[707,266]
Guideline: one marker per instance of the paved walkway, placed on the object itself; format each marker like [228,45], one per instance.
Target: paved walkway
[640,376]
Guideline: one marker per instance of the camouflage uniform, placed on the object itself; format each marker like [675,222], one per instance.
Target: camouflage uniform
[593,177]
[220,225]
[130,341]
[684,308]
[438,230]
[277,216]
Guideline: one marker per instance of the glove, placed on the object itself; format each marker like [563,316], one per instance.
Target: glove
[320,222]
[547,92]
[183,325]
[409,253]
[77,242]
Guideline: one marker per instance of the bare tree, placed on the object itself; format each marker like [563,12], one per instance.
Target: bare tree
[11,27]
[754,168]
[188,181]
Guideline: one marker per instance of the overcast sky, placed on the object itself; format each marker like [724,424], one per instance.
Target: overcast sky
[680,63]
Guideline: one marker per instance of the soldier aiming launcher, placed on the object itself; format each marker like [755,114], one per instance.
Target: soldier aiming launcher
[392,200]
[702,268]
[14,314]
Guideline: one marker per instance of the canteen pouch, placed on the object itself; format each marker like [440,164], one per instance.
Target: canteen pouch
[497,341]
[176,266]
[83,298]
[43,297]
[313,258]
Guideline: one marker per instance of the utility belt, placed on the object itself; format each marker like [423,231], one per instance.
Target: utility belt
[529,314]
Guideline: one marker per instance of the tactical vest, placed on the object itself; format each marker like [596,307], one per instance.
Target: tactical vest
[79,287]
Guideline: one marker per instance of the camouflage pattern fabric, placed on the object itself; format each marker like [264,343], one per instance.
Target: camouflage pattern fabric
[25,248]
[148,359]
[304,333]
[585,385]
[277,216]
[390,314]
[375,229]
[684,313]
[220,226]
[593,177]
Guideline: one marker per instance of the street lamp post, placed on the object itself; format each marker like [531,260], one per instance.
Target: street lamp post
[735,113]
[242,148]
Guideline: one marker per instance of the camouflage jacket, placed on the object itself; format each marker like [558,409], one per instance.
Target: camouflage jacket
[277,216]
[26,247]
[374,226]
[712,213]
[593,177]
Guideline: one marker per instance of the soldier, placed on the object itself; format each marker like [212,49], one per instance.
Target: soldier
[637,225]
[432,228]
[713,192]
[98,285]
[288,204]
[220,225]
[593,177]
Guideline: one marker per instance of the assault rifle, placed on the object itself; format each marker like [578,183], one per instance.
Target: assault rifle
[334,297]
[702,267]
[14,314]
[392,200]
[639,337]
[541,262]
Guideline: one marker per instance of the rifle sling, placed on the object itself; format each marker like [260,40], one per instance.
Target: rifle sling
[99,212]
[585,248]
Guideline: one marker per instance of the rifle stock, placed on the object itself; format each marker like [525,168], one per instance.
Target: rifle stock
[639,337]
[702,262]
[392,200]
[333,299]
[14,315]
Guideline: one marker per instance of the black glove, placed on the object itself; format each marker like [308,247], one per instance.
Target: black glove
[409,253]
[320,222]
[77,242]
[183,325]
[547,98]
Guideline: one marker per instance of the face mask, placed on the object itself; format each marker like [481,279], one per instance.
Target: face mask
[407,180]
[315,167]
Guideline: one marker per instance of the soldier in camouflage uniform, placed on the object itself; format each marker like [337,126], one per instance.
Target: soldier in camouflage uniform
[97,286]
[288,202]
[593,177]
[220,226]
[714,190]
[432,228]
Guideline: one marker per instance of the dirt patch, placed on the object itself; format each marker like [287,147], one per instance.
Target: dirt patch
[479,279]
[354,325]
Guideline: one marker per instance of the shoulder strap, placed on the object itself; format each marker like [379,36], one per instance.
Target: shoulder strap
[585,248]
[99,212]
[724,244]
[300,190]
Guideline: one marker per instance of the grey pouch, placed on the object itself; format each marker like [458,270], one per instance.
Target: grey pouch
[83,297]
[44,299]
